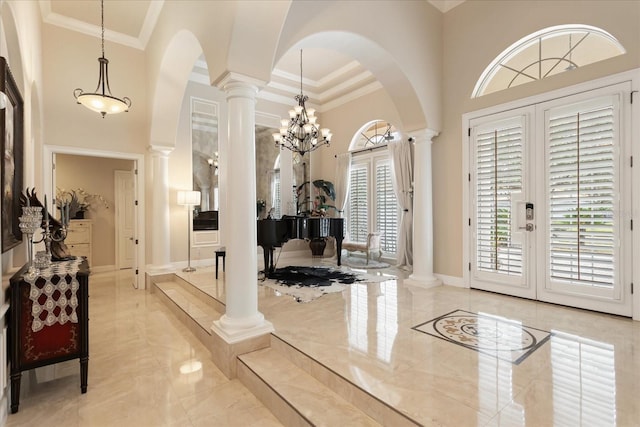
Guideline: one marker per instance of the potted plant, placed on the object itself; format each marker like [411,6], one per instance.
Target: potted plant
[324,191]
[79,200]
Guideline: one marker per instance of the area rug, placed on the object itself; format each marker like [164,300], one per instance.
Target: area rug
[357,262]
[494,335]
[305,283]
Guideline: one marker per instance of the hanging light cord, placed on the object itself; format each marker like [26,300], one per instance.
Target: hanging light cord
[102,23]
[300,71]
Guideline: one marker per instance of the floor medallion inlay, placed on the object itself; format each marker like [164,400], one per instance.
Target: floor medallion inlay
[503,338]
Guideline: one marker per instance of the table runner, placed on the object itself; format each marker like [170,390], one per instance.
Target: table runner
[53,292]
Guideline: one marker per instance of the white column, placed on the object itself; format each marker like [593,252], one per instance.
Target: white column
[160,238]
[242,320]
[422,275]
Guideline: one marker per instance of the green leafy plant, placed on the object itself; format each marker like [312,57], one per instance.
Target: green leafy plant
[319,206]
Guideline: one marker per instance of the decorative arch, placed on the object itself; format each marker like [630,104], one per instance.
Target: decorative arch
[378,61]
[547,52]
[14,50]
[177,63]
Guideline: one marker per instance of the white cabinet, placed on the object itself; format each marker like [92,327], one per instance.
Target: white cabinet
[79,238]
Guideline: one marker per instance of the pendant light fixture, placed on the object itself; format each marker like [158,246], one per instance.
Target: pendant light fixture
[102,101]
[301,134]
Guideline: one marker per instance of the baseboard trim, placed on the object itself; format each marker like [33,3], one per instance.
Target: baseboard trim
[458,282]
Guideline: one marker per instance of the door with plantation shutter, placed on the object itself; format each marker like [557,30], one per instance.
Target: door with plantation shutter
[566,163]
[585,199]
[501,251]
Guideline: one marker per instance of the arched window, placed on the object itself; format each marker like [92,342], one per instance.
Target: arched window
[547,52]
[374,133]
[372,204]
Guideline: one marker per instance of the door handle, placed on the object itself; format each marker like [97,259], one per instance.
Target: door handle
[528,227]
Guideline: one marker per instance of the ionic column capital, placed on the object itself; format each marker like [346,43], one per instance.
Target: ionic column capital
[424,135]
[158,150]
[239,85]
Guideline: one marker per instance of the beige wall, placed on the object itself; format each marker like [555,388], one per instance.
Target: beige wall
[71,62]
[344,122]
[96,176]
[474,34]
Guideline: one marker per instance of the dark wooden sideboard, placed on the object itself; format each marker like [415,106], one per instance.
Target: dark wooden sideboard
[54,333]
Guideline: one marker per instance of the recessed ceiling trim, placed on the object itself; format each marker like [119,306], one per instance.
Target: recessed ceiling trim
[337,74]
[345,84]
[203,79]
[365,90]
[140,42]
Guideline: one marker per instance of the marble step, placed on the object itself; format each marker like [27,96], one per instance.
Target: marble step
[294,396]
[375,408]
[194,310]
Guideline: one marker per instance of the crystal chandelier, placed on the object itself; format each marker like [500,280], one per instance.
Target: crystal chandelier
[102,101]
[301,134]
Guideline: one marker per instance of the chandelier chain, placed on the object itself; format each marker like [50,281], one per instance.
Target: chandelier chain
[102,23]
[301,133]
[300,72]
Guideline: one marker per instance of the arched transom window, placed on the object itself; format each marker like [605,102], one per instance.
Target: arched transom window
[374,133]
[547,52]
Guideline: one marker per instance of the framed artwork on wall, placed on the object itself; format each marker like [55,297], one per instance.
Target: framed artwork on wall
[11,143]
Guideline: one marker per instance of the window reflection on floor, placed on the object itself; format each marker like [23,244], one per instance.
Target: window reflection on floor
[584,381]
[378,303]
[495,375]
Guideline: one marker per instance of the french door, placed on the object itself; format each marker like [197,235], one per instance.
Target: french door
[549,188]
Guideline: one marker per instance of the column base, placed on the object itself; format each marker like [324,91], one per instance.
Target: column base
[228,344]
[233,331]
[424,282]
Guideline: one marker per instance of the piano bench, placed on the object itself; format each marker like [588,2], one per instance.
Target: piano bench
[221,252]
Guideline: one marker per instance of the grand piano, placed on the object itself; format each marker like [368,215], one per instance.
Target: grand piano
[274,233]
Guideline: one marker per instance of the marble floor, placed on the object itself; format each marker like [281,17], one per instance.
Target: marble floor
[145,369]
[587,373]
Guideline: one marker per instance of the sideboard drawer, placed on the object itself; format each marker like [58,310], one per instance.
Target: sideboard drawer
[79,238]
[80,249]
[78,234]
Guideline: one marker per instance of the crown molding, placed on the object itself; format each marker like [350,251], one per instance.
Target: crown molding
[140,42]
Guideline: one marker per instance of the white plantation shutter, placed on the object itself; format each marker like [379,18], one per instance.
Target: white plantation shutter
[583,195]
[499,171]
[358,204]
[386,207]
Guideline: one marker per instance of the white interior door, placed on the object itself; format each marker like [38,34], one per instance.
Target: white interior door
[549,187]
[125,218]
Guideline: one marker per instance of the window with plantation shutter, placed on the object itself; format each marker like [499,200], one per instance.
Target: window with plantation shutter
[358,204]
[372,204]
[499,173]
[582,195]
[386,207]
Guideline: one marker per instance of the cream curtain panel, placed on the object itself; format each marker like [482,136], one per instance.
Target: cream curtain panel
[343,170]
[402,179]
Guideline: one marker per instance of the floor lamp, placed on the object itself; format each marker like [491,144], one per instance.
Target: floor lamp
[189,199]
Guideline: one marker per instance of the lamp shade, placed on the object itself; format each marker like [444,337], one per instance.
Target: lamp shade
[188,198]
